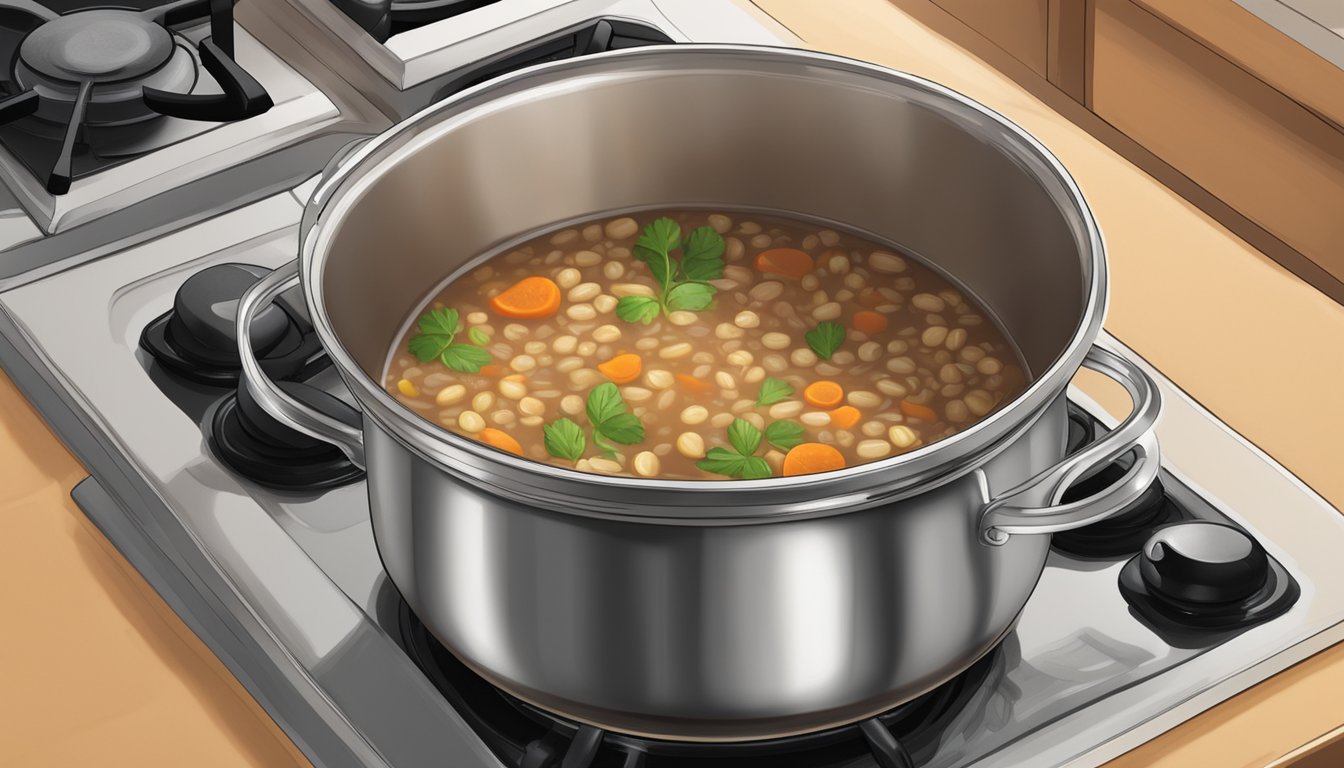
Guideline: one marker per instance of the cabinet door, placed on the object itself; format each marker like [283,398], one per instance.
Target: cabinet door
[1276,162]
[1020,27]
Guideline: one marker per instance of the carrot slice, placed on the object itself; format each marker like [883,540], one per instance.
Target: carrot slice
[917,411]
[807,458]
[529,298]
[823,394]
[692,384]
[786,262]
[870,322]
[845,417]
[491,369]
[500,439]
[622,369]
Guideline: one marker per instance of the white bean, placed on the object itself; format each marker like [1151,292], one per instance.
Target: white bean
[531,406]
[512,387]
[620,229]
[606,334]
[872,449]
[450,394]
[691,445]
[675,351]
[646,464]
[470,422]
[568,277]
[776,340]
[695,414]
[786,410]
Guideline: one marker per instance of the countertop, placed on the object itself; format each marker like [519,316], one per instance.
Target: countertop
[97,670]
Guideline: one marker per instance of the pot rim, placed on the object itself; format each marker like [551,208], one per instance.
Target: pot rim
[687,501]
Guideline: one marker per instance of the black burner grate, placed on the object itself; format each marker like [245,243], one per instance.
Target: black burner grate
[76,67]
[523,736]
[384,18]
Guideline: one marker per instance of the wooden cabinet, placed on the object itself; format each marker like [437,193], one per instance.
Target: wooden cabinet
[1020,27]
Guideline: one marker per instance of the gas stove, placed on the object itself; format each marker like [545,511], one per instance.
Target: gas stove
[261,541]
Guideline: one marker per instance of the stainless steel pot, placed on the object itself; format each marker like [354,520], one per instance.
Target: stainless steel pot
[735,609]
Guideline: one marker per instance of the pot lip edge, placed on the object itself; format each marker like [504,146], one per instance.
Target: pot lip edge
[346,185]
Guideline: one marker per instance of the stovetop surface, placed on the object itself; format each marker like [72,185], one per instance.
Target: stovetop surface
[1079,671]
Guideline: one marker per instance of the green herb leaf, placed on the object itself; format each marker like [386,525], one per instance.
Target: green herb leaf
[744,436]
[784,434]
[478,337]
[653,247]
[564,439]
[702,255]
[773,391]
[464,358]
[638,309]
[437,329]
[722,461]
[624,428]
[825,339]
[690,296]
[604,402]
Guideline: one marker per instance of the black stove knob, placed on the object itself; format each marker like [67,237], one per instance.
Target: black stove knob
[1202,563]
[206,306]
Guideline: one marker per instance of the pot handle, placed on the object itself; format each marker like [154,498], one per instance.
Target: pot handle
[1033,506]
[272,399]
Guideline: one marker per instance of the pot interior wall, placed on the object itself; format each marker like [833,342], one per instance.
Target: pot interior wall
[713,129]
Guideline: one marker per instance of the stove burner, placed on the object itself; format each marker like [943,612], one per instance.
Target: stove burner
[196,338]
[100,46]
[1123,533]
[1207,576]
[252,443]
[117,66]
[523,736]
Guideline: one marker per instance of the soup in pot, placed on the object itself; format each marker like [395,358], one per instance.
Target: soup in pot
[702,345]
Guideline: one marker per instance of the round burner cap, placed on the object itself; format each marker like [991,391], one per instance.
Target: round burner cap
[103,46]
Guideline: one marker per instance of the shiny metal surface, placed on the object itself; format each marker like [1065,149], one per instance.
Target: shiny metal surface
[726,610]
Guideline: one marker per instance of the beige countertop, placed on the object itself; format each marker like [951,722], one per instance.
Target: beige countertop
[97,670]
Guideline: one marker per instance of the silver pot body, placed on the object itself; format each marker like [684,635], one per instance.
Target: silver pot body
[715,610]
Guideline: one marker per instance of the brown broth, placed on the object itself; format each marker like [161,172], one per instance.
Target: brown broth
[939,365]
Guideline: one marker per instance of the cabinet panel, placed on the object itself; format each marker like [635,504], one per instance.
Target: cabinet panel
[1262,153]
[1020,27]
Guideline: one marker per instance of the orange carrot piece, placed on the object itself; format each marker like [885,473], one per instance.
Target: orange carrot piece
[808,458]
[870,322]
[491,369]
[917,411]
[529,298]
[622,369]
[692,384]
[785,262]
[823,394]
[845,417]
[500,439]
[872,298]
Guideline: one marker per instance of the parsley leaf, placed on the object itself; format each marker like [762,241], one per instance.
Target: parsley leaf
[610,418]
[638,309]
[478,337]
[690,296]
[684,286]
[464,358]
[722,461]
[438,329]
[624,428]
[744,436]
[564,439]
[773,391]
[702,255]
[784,434]
[825,339]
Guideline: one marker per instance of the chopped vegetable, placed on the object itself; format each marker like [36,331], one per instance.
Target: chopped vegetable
[825,339]
[436,339]
[692,384]
[492,370]
[529,298]
[408,388]
[870,322]
[478,337]
[784,434]
[622,369]
[744,436]
[917,411]
[684,284]
[500,439]
[564,439]
[809,458]
[845,417]
[824,394]
[785,262]
[773,391]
